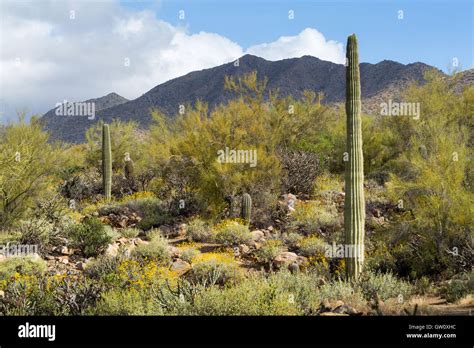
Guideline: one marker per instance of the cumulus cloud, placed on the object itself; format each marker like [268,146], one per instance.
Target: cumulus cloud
[79,50]
[308,42]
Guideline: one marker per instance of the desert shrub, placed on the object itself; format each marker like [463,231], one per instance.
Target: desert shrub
[198,231]
[37,232]
[189,254]
[292,239]
[82,186]
[22,265]
[90,236]
[341,290]
[153,212]
[268,251]
[157,249]
[254,296]
[77,296]
[130,232]
[455,289]
[300,170]
[213,269]
[231,232]
[313,216]
[423,286]
[126,302]
[104,267]
[312,246]
[384,286]
[28,295]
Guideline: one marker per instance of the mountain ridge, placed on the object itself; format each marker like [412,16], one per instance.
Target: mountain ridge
[290,76]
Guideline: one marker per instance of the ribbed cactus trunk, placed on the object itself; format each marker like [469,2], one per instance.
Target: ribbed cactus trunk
[106,162]
[354,208]
[246,207]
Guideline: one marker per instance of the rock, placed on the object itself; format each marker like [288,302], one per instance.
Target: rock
[270,228]
[48,257]
[257,236]
[64,250]
[332,314]
[81,265]
[345,309]
[122,240]
[377,213]
[64,259]
[112,250]
[182,229]
[128,249]
[174,251]
[139,241]
[288,202]
[285,257]
[180,266]
[2,294]
[293,267]
[243,249]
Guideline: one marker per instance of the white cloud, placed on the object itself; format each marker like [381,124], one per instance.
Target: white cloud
[46,56]
[308,42]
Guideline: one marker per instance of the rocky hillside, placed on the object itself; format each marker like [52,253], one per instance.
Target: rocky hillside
[290,76]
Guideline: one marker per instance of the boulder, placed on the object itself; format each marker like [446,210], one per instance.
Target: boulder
[112,250]
[288,202]
[285,257]
[345,309]
[243,249]
[257,235]
[180,266]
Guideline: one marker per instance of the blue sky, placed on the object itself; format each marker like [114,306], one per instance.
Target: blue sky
[74,50]
[433,32]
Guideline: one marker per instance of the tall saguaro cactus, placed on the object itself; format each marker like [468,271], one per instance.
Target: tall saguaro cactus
[246,207]
[354,208]
[106,162]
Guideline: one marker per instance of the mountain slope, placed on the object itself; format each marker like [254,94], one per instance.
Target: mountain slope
[290,76]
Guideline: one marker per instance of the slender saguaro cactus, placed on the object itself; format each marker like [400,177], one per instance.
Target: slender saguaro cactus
[246,207]
[106,162]
[354,207]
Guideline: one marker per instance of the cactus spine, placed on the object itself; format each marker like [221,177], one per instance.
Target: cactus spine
[106,162]
[354,208]
[246,207]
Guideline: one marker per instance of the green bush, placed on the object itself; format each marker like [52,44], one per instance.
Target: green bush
[458,287]
[189,254]
[157,249]
[130,232]
[292,239]
[24,265]
[268,251]
[312,246]
[90,236]
[198,231]
[311,216]
[384,286]
[232,233]
[213,269]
